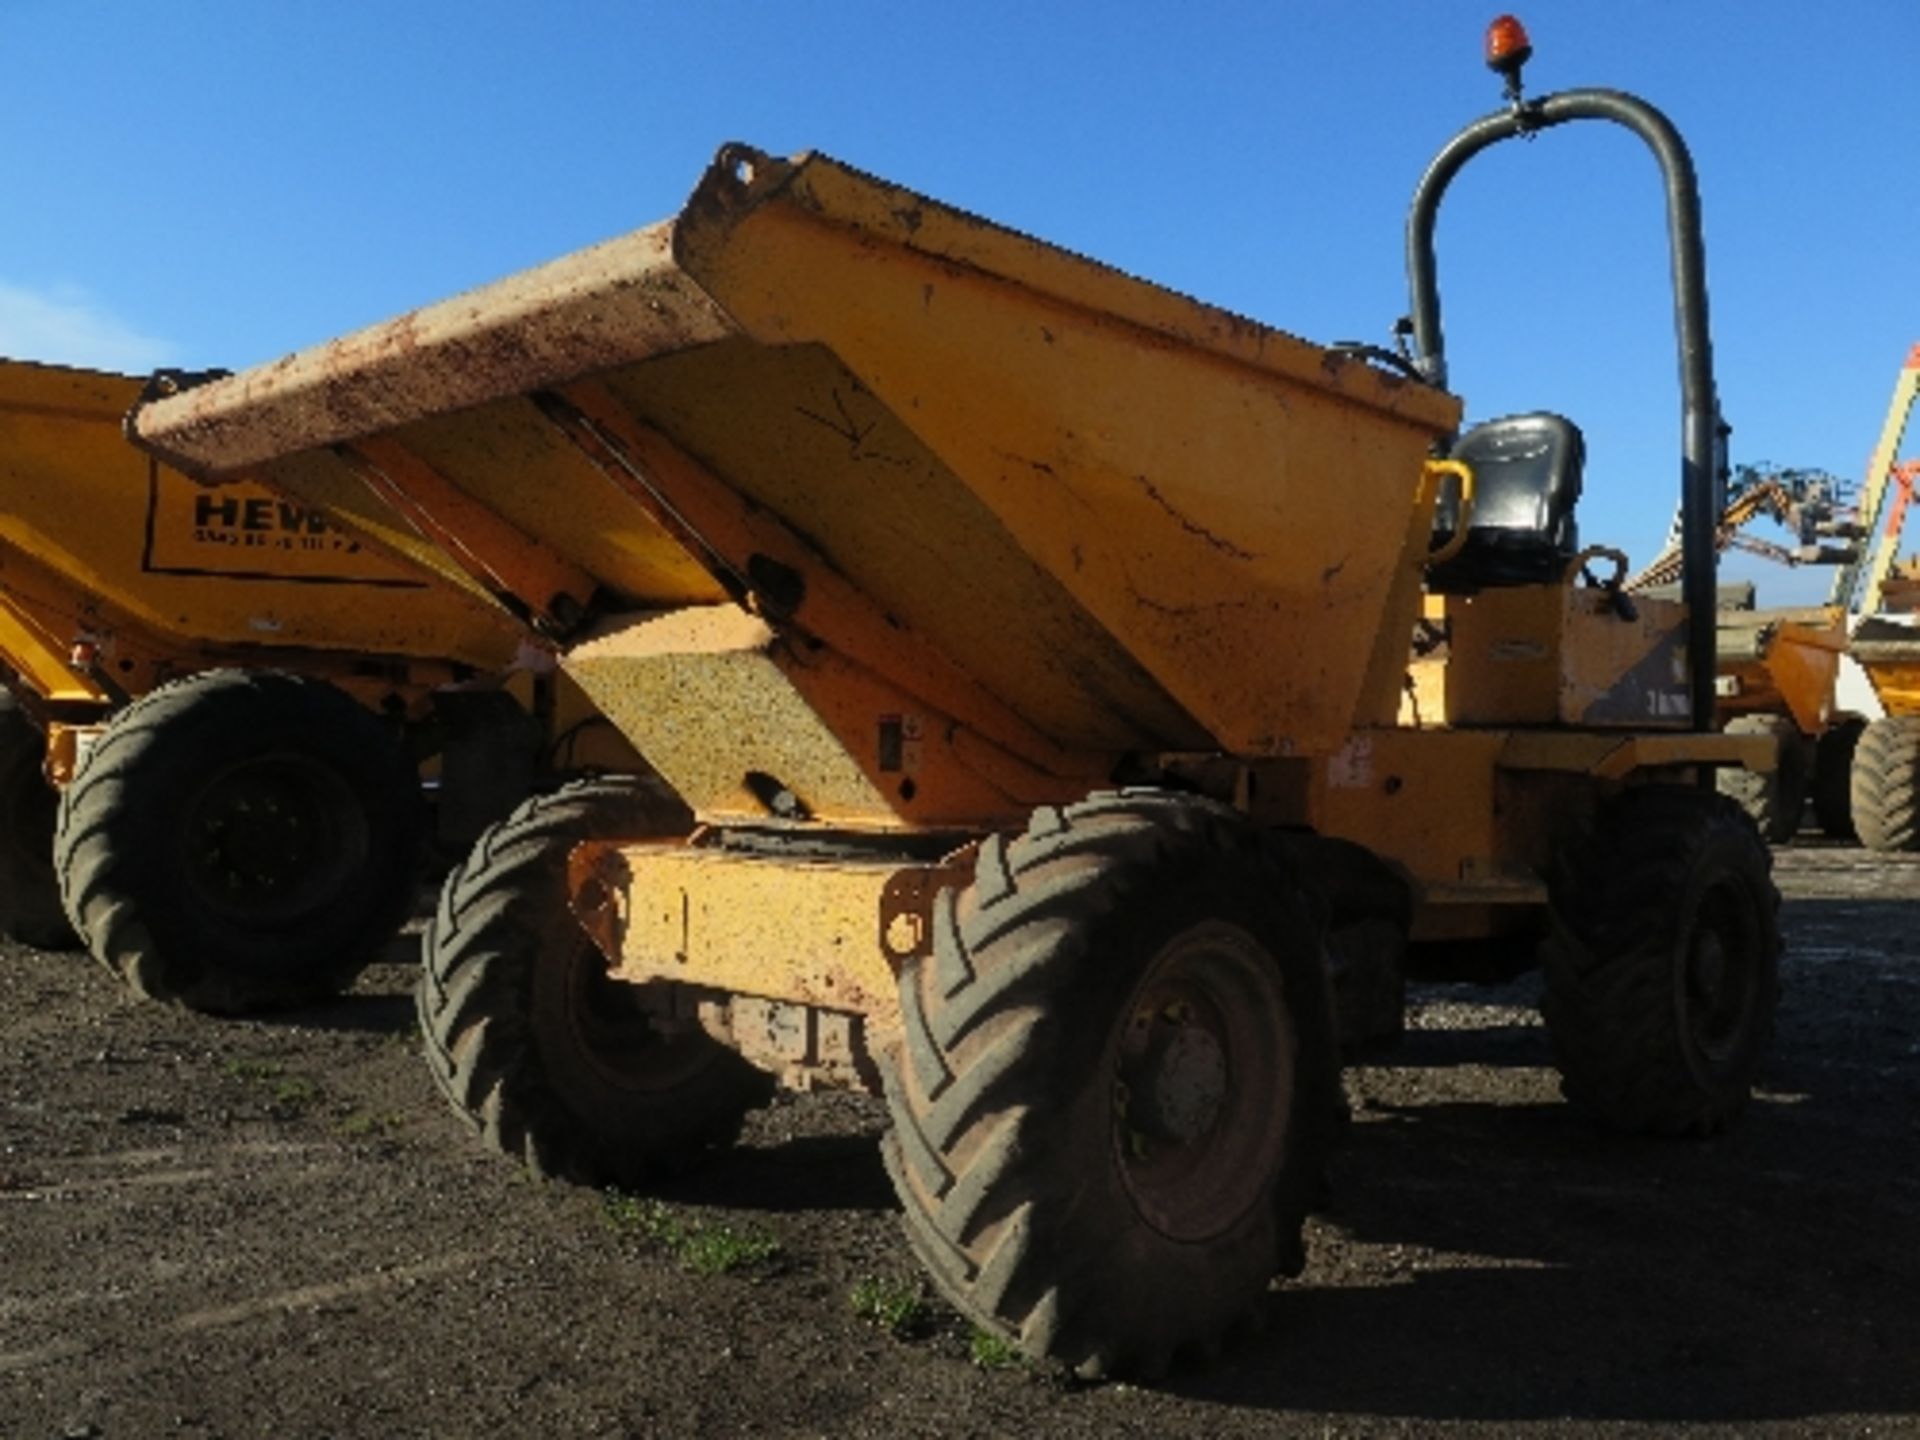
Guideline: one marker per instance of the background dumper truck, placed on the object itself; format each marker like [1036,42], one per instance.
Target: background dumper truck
[216,708]
[1886,641]
[1779,665]
[1030,644]
[1886,767]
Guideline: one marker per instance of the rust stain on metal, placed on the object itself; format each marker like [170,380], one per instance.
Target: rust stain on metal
[598,879]
[906,906]
[606,306]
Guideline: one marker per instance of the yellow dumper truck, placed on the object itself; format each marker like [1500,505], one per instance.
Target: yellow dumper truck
[231,697]
[1777,672]
[1886,767]
[1060,671]
[1779,665]
[1886,643]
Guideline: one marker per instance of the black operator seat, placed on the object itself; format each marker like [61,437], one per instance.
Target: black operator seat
[1521,531]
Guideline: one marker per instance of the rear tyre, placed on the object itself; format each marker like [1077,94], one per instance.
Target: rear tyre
[30,909]
[1886,784]
[239,840]
[549,1060]
[1777,801]
[1118,1084]
[1662,966]
[1833,779]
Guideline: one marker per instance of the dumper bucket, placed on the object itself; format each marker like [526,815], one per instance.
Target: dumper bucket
[1887,647]
[1782,659]
[1124,518]
[99,541]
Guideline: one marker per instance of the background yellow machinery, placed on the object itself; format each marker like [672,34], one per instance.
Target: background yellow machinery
[1886,643]
[1886,639]
[1778,665]
[235,696]
[1064,676]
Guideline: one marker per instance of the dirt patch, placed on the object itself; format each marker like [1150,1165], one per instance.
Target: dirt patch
[259,1228]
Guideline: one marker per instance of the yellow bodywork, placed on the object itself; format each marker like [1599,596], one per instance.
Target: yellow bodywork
[1781,662]
[1254,495]
[680,914]
[849,747]
[1897,683]
[896,446]
[1887,647]
[903,524]
[117,572]
[1548,655]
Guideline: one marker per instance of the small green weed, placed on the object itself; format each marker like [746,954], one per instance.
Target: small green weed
[287,1095]
[363,1125]
[993,1352]
[294,1094]
[702,1247]
[634,1214]
[897,1306]
[720,1249]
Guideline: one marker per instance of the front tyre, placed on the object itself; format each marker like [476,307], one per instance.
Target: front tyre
[1118,1084]
[1886,785]
[1776,799]
[1832,789]
[1662,966]
[548,1059]
[240,840]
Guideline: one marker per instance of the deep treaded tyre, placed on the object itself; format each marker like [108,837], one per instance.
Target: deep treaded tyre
[240,840]
[1777,801]
[30,909]
[1886,784]
[1832,789]
[1118,1085]
[1662,966]
[548,1059]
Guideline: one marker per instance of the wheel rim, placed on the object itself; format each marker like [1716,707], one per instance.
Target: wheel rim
[272,838]
[1202,1082]
[1720,974]
[606,1032]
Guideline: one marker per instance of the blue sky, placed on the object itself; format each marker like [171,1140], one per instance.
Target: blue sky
[222,181]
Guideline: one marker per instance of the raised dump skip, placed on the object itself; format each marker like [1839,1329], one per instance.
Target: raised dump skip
[1129,519]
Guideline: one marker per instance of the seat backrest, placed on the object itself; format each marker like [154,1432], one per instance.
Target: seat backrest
[1526,472]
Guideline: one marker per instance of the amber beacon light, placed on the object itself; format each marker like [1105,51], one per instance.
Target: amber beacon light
[1508,48]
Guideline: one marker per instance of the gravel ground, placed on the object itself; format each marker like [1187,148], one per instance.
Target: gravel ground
[276,1228]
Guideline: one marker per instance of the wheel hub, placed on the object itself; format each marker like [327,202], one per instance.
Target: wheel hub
[1709,966]
[1179,1082]
[271,838]
[1201,1082]
[612,1034]
[1719,985]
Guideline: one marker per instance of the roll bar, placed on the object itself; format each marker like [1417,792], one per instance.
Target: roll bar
[1699,403]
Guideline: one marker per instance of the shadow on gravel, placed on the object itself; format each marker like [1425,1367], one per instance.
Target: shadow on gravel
[1555,1273]
[1824,930]
[1498,1260]
[809,1172]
